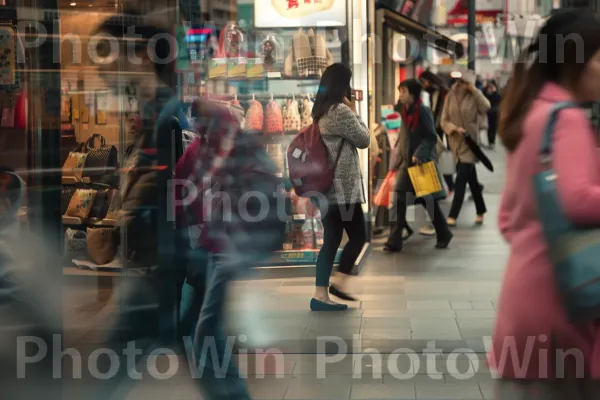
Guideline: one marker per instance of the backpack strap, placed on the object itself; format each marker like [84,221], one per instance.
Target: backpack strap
[546,145]
[339,155]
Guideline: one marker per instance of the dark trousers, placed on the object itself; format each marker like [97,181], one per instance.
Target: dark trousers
[449,179]
[399,212]
[404,197]
[467,174]
[337,219]
[201,321]
[492,128]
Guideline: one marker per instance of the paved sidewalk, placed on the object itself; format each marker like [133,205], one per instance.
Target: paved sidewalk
[410,304]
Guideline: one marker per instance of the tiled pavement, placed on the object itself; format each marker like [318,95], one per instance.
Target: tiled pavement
[409,302]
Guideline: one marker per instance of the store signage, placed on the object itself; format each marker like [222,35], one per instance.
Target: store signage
[486,11]
[299,13]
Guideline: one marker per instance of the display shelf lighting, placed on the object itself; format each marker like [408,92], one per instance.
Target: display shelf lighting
[73,4]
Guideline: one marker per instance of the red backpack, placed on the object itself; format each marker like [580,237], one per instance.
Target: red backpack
[308,163]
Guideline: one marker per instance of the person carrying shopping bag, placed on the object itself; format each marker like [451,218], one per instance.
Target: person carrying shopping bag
[460,118]
[417,144]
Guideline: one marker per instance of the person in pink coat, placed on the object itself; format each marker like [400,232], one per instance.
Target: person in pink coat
[534,344]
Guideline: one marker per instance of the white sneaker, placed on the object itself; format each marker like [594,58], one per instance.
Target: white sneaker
[427,230]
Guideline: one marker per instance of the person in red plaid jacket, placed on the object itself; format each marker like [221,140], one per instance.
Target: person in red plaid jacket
[219,169]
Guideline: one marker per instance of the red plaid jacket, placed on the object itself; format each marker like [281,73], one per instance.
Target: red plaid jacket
[225,162]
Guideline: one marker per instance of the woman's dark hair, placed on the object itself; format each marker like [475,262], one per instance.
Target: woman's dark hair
[334,86]
[414,88]
[560,53]
[118,26]
[433,78]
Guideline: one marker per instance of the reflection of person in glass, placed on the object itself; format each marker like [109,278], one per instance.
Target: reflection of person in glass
[408,7]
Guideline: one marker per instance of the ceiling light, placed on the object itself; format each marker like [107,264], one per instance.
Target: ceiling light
[73,4]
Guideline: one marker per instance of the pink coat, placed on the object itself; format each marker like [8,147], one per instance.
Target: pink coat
[531,318]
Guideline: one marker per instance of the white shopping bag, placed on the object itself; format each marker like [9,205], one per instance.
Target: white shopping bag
[447,162]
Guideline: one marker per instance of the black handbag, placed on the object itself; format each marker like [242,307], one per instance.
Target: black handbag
[101,203]
[101,160]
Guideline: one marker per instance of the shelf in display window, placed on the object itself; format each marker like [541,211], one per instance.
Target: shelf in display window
[312,80]
[272,139]
[297,257]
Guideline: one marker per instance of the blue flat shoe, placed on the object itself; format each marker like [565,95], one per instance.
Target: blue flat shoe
[316,305]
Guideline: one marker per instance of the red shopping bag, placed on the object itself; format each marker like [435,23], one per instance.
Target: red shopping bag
[20,116]
[382,197]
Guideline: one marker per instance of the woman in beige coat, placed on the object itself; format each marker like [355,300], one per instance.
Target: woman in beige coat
[460,117]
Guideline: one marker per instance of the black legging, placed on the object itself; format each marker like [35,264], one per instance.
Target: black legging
[492,127]
[337,219]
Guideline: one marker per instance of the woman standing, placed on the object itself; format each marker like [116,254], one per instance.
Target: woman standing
[491,93]
[416,144]
[343,133]
[460,117]
[537,351]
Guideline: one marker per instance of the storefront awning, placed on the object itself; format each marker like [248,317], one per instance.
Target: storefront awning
[409,27]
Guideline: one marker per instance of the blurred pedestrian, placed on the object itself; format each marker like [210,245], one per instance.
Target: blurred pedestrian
[551,356]
[460,118]
[491,92]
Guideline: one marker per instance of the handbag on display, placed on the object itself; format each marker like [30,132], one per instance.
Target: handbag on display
[291,119]
[307,118]
[81,203]
[300,50]
[66,194]
[320,57]
[75,163]
[573,250]
[101,246]
[255,117]
[273,119]
[101,160]
[75,244]
[101,203]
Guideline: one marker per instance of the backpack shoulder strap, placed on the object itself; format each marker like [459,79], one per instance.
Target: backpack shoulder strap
[339,155]
[546,145]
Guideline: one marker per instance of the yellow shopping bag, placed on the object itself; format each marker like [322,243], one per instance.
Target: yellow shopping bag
[425,179]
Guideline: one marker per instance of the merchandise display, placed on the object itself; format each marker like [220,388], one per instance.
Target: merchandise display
[307,107]
[88,194]
[292,121]
[309,55]
[273,119]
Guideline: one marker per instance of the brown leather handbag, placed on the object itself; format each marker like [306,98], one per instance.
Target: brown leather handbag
[101,245]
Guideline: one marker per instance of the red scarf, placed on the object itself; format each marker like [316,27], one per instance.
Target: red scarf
[412,119]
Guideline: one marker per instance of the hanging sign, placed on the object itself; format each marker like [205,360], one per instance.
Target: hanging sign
[299,13]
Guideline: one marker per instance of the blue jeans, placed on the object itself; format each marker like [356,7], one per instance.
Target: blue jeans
[201,320]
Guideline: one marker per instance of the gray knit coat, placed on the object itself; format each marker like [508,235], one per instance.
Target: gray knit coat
[343,130]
